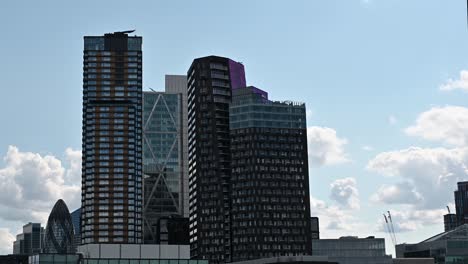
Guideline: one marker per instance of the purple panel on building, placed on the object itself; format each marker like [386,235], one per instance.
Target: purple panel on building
[237,74]
[260,92]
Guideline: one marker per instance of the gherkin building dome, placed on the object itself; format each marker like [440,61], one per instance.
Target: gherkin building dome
[59,233]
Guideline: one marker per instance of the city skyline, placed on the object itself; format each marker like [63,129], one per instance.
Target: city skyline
[386,123]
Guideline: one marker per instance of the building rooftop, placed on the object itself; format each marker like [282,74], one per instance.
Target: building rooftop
[460,232]
[287,259]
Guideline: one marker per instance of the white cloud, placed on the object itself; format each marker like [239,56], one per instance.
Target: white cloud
[30,184]
[400,193]
[461,83]
[392,120]
[411,220]
[447,124]
[325,147]
[331,217]
[6,241]
[430,175]
[336,221]
[345,193]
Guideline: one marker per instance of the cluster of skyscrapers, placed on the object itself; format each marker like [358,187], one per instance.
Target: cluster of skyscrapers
[211,158]
[210,162]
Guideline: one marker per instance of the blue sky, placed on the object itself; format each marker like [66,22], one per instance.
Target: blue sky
[370,73]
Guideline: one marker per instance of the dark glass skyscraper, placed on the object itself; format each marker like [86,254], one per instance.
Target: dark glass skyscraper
[461,203]
[248,171]
[270,212]
[112,139]
[210,81]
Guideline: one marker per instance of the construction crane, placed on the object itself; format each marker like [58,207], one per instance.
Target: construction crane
[390,228]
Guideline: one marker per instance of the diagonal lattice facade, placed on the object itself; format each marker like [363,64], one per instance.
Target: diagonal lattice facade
[162,160]
[59,233]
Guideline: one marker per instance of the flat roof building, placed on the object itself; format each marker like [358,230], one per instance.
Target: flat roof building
[352,250]
[445,248]
[30,241]
[270,210]
[290,260]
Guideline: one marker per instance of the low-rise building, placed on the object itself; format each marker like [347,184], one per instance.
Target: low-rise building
[30,241]
[413,261]
[14,259]
[121,254]
[352,250]
[314,228]
[446,248]
[289,260]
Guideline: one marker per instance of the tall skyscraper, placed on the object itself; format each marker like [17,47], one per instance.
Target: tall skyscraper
[248,168]
[461,203]
[112,139]
[270,211]
[178,84]
[164,159]
[210,81]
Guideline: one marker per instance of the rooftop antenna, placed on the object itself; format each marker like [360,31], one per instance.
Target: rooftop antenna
[448,208]
[151,89]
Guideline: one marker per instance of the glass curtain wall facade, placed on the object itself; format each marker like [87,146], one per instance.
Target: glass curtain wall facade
[76,220]
[210,81]
[112,139]
[162,161]
[352,250]
[59,233]
[30,241]
[270,214]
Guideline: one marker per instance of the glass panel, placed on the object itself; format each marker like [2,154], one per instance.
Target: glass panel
[154,261]
[46,258]
[103,261]
[174,261]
